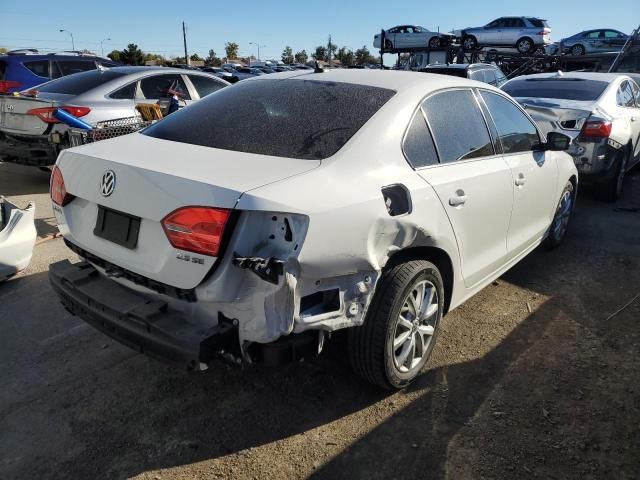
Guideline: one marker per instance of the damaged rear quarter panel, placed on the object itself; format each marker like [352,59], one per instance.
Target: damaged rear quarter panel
[350,235]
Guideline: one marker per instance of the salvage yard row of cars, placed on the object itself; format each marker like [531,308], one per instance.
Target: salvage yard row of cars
[307,201]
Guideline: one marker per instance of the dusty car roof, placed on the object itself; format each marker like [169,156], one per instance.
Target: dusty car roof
[392,79]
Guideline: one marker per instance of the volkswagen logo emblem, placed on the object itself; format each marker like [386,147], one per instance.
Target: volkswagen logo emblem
[108,184]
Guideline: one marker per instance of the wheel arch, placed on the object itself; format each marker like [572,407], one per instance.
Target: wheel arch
[439,257]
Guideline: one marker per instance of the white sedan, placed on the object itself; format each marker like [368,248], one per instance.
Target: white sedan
[254,223]
[412,36]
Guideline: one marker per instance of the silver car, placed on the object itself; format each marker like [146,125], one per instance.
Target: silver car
[599,111]
[526,34]
[31,134]
[412,36]
[594,41]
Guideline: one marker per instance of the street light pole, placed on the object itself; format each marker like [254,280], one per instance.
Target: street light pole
[73,44]
[257,45]
[101,47]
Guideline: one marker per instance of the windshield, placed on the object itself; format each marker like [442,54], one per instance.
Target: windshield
[80,82]
[561,88]
[291,118]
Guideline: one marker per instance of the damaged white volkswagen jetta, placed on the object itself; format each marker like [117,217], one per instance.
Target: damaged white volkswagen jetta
[251,225]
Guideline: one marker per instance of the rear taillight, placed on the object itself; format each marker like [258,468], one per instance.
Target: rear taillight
[196,229]
[596,128]
[46,113]
[59,194]
[6,85]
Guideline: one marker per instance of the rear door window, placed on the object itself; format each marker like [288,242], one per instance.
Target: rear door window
[38,67]
[204,85]
[515,130]
[536,22]
[636,92]
[164,86]
[418,145]
[458,127]
[125,93]
[69,67]
[3,67]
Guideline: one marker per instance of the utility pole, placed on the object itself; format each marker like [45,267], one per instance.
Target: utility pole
[329,50]
[184,37]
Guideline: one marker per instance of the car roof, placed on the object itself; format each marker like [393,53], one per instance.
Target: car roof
[398,80]
[53,56]
[601,76]
[460,66]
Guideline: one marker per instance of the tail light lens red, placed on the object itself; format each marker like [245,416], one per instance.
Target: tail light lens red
[59,194]
[596,128]
[46,113]
[196,229]
[6,85]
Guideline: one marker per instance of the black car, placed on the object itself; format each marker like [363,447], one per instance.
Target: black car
[482,72]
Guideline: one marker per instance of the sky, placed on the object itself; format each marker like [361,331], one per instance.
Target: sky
[156,27]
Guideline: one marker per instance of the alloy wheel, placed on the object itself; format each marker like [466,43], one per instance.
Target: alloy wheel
[415,326]
[561,220]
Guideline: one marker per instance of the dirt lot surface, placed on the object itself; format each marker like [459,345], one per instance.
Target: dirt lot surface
[532,378]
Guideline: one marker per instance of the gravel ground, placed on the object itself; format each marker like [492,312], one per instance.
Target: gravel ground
[531,378]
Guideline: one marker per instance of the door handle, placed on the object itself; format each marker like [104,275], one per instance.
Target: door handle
[521,180]
[633,119]
[458,199]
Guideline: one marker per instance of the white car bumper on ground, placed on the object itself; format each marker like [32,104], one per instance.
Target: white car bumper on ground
[17,237]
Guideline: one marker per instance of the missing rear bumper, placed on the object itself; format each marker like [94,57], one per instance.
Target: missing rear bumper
[147,325]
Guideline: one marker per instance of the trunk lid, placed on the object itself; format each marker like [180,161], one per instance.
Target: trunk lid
[153,178]
[14,118]
[566,116]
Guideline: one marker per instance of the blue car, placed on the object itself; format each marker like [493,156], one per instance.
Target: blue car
[23,69]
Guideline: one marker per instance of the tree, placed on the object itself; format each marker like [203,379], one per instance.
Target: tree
[114,55]
[231,48]
[3,50]
[212,59]
[132,55]
[345,55]
[287,55]
[331,49]
[301,56]
[320,53]
[363,56]
[195,58]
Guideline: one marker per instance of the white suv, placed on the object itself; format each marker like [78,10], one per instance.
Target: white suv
[256,222]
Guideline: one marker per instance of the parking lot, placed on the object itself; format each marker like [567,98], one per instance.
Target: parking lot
[534,377]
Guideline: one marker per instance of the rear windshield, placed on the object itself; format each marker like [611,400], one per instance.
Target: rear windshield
[567,88]
[454,72]
[80,82]
[536,22]
[303,119]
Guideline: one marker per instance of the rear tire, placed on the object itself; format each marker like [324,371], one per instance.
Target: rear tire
[388,45]
[560,223]
[401,326]
[577,50]
[434,42]
[612,189]
[525,45]
[470,43]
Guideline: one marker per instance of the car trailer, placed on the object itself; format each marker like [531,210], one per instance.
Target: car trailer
[516,64]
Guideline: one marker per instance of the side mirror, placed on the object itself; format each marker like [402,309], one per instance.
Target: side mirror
[557,141]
